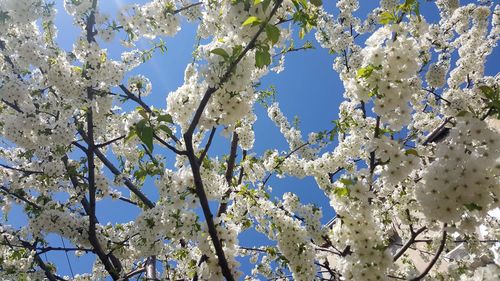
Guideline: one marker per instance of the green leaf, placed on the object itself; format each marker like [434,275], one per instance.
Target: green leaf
[262,58]
[411,152]
[131,135]
[473,206]
[273,33]
[386,17]
[346,181]
[407,5]
[265,4]
[4,16]
[257,2]
[302,33]
[488,91]
[416,9]
[221,52]
[237,50]
[145,134]
[150,222]
[317,3]
[341,191]
[253,20]
[165,118]
[365,72]
[142,112]
[166,129]
[495,104]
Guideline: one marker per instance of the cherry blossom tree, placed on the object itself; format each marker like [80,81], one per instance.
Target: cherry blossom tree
[415,157]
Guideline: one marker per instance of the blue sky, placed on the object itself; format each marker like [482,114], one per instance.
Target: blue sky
[308,88]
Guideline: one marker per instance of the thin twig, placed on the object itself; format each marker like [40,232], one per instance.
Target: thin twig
[207,146]
[109,142]
[282,161]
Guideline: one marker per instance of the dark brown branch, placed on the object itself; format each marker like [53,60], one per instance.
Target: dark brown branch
[112,265]
[437,96]
[135,272]
[229,175]
[124,199]
[109,142]
[29,172]
[227,75]
[48,273]
[68,249]
[242,170]
[186,7]
[437,132]
[128,183]
[135,98]
[372,159]
[363,109]
[232,158]
[410,241]
[77,144]
[200,192]
[139,101]
[193,160]
[395,277]
[13,106]
[434,259]
[171,147]
[207,146]
[22,198]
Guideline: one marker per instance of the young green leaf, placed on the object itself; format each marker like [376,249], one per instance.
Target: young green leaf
[487,91]
[386,18]
[341,191]
[303,3]
[317,3]
[472,207]
[165,118]
[166,129]
[145,134]
[302,33]
[221,52]
[365,72]
[262,58]
[265,4]
[346,181]
[131,135]
[411,152]
[273,33]
[253,20]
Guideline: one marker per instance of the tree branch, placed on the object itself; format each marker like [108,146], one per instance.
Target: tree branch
[283,160]
[22,198]
[188,139]
[207,146]
[407,245]
[229,174]
[434,259]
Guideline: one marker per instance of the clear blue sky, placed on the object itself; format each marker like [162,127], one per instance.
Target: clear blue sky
[308,88]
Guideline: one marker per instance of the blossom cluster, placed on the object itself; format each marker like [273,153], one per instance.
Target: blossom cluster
[413,157]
